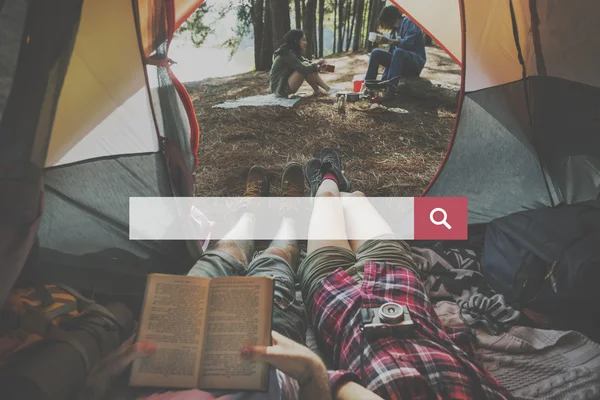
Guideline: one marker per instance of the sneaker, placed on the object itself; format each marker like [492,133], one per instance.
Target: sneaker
[331,162]
[257,184]
[312,171]
[292,180]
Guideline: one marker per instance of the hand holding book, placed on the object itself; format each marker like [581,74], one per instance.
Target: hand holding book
[295,360]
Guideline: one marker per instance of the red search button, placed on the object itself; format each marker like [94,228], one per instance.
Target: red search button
[441,218]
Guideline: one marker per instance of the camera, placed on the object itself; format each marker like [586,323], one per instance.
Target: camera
[388,319]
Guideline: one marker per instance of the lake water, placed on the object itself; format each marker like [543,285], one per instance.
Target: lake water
[195,64]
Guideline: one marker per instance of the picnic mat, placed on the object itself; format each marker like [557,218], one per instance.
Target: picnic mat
[267,100]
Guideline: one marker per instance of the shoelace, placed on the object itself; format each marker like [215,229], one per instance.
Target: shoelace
[252,190]
[294,190]
[329,159]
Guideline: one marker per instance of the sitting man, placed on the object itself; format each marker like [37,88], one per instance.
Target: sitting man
[341,278]
[406,57]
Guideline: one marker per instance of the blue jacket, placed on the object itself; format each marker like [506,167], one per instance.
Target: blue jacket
[411,39]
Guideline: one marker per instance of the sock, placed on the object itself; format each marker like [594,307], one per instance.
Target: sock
[331,176]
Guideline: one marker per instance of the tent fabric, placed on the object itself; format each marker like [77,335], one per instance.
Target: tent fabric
[427,14]
[80,113]
[12,23]
[46,43]
[490,166]
[527,129]
[104,107]
[526,135]
[562,39]
[87,217]
[491,54]
[157,24]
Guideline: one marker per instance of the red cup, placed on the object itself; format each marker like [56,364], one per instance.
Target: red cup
[358,85]
[330,68]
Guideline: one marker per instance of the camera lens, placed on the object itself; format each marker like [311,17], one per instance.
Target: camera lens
[391,313]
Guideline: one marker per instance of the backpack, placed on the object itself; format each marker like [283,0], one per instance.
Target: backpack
[546,256]
[50,338]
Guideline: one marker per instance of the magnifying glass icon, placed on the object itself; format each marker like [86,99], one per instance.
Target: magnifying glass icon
[443,221]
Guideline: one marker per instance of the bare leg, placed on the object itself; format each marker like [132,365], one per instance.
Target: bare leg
[327,219]
[295,81]
[362,219]
[285,247]
[315,81]
[322,83]
[238,241]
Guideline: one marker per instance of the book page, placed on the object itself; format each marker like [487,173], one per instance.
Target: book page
[173,317]
[239,314]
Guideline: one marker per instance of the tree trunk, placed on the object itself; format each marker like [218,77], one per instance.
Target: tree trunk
[360,8]
[376,6]
[257,22]
[316,50]
[310,27]
[444,95]
[298,13]
[303,12]
[352,26]
[368,22]
[266,51]
[321,27]
[340,43]
[335,22]
[365,23]
[348,25]
[280,20]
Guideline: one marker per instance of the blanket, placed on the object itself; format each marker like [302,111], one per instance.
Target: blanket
[536,363]
[268,100]
[455,274]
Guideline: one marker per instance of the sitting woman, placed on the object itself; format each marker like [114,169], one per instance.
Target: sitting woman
[290,69]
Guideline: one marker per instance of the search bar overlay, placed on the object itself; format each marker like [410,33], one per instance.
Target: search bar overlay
[259,218]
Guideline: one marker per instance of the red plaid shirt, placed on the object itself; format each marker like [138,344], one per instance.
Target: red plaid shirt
[432,362]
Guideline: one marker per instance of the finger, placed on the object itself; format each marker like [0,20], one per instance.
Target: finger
[128,342]
[116,363]
[254,352]
[278,338]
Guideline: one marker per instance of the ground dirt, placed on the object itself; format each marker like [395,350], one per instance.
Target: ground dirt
[385,154]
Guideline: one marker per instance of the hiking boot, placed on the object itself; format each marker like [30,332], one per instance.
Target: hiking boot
[331,162]
[257,184]
[292,187]
[292,180]
[312,171]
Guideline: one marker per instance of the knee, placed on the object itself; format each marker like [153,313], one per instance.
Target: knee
[233,249]
[376,54]
[279,252]
[357,194]
[327,193]
[399,51]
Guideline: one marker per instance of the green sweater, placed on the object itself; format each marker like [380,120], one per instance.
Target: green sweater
[286,62]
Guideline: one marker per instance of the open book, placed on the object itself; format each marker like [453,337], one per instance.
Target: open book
[200,326]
